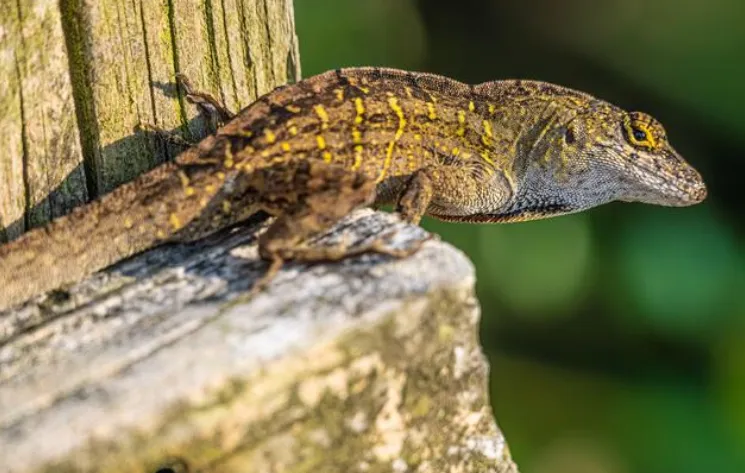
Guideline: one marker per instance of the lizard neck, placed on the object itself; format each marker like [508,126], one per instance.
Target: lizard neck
[544,190]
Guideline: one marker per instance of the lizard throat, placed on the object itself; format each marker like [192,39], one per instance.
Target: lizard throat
[519,215]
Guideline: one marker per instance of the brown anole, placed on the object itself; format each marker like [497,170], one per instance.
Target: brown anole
[311,152]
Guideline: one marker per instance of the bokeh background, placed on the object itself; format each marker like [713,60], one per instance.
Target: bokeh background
[616,337]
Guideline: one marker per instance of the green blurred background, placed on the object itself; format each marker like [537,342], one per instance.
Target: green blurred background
[616,337]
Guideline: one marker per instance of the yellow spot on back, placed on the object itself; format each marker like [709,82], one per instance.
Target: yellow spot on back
[455,151]
[128,223]
[160,234]
[326,156]
[471,106]
[189,191]
[245,133]
[175,221]
[411,162]
[285,146]
[417,137]
[322,115]
[360,109]
[228,161]
[487,129]
[431,113]
[339,94]
[488,134]
[393,103]
[462,123]
[293,130]
[270,136]
[356,136]
[357,157]
[292,109]
[226,206]
[364,90]
[408,92]
[321,141]
[492,108]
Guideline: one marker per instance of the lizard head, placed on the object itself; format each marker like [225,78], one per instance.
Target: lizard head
[599,155]
[634,149]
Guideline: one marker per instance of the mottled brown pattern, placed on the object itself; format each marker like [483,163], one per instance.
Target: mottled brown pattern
[311,152]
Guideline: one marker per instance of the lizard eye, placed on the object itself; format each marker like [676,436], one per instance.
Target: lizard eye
[638,133]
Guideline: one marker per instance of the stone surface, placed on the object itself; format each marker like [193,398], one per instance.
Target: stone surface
[367,365]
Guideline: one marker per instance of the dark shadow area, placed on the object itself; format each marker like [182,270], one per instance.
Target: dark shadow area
[162,145]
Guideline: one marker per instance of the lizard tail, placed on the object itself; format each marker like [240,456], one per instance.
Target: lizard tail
[88,239]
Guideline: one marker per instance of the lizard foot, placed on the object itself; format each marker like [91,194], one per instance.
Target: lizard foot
[342,250]
[216,112]
[338,252]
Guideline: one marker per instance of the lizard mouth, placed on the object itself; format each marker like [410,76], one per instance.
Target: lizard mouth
[676,186]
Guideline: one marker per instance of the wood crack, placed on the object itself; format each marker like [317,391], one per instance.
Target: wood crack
[229,53]
[75,26]
[24,132]
[177,66]
[148,63]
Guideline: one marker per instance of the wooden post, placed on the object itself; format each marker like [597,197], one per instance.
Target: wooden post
[80,76]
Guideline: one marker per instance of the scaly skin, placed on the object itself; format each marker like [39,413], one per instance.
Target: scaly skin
[311,152]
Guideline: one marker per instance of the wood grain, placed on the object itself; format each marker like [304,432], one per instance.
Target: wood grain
[82,75]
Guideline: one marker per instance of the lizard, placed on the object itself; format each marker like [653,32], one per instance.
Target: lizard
[309,153]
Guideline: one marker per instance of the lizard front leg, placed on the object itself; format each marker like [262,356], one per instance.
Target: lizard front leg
[451,192]
[415,198]
[454,193]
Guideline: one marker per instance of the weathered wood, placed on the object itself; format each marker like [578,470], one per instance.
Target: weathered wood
[82,75]
[40,156]
[371,364]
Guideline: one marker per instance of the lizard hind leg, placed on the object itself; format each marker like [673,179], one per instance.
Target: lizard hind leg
[286,238]
[215,113]
[208,105]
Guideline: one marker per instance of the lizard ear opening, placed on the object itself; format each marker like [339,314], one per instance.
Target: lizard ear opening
[570,136]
